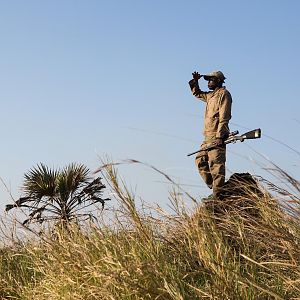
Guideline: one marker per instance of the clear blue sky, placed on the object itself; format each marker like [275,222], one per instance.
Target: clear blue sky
[84,79]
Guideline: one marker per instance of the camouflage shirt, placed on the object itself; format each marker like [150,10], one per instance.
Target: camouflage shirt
[217,111]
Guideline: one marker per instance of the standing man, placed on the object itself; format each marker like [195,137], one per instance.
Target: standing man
[211,163]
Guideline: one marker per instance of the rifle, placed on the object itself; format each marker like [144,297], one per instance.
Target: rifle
[232,138]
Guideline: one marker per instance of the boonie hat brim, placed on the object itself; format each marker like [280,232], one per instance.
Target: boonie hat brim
[207,77]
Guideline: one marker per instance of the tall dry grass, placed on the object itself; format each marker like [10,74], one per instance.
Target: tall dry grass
[244,248]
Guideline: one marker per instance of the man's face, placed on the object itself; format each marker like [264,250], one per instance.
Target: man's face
[213,83]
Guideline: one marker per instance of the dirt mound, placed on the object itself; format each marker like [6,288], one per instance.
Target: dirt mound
[240,193]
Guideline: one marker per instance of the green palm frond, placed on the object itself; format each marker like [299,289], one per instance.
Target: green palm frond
[40,182]
[71,179]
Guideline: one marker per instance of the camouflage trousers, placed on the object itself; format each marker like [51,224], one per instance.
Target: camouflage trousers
[211,166]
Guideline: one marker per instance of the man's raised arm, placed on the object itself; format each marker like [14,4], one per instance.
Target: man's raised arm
[194,85]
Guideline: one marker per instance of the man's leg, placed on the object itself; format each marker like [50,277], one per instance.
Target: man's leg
[217,159]
[203,168]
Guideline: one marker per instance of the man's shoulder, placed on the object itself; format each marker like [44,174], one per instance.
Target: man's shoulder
[224,92]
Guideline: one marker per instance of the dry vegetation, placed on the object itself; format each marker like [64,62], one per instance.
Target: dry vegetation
[245,248]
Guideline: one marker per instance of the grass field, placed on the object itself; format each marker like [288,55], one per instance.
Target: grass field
[247,248]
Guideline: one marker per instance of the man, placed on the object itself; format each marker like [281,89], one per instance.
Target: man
[211,163]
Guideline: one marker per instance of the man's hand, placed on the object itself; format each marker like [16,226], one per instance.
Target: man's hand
[219,142]
[196,75]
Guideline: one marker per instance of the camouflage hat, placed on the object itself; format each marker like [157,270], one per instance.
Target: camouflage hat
[217,74]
